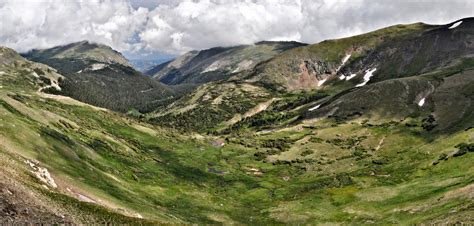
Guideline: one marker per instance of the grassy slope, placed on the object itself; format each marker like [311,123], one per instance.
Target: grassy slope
[352,176]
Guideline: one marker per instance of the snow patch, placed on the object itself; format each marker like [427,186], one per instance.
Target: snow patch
[421,102]
[95,67]
[321,82]
[315,107]
[55,84]
[344,60]
[350,77]
[455,25]
[368,74]
[35,75]
[342,77]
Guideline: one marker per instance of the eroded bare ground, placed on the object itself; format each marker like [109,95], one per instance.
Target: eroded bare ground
[19,203]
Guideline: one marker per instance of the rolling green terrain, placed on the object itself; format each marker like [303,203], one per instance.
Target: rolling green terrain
[268,145]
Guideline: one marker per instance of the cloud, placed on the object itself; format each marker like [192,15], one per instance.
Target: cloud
[172,26]
[197,24]
[203,24]
[40,24]
[334,19]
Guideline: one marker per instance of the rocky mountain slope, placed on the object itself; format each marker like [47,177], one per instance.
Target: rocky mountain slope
[198,67]
[371,129]
[397,59]
[101,76]
[393,52]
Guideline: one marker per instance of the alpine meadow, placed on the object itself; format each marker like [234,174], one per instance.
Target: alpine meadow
[370,127]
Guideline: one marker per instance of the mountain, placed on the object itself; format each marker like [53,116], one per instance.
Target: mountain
[341,70]
[145,66]
[370,129]
[156,68]
[83,50]
[394,52]
[99,75]
[51,164]
[198,67]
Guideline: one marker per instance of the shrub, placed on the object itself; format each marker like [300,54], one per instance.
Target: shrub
[429,123]
[315,140]
[464,149]
[307,152]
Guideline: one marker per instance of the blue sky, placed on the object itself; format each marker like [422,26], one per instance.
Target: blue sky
[153,28]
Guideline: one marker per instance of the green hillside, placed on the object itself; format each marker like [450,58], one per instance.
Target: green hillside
[267,145]
[98,75]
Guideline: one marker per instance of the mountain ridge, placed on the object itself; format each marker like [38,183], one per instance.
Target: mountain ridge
[101,76]
[217,63]
[80,50]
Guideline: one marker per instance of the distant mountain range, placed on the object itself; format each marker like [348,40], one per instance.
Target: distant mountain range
[144,65]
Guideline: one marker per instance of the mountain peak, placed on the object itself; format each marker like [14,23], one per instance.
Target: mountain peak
[84,50]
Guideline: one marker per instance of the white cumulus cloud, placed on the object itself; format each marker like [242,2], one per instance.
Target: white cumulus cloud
[46,23]
[203,24]
[177,26]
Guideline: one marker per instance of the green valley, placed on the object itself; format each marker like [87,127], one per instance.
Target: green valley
[301,135]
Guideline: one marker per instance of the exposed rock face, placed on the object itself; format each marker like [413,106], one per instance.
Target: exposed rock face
[314,74]
[42,174]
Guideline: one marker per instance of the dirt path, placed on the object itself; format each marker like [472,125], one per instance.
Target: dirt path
[255,110]
[380,144]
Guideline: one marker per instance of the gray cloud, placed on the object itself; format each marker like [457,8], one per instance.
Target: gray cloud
[171,26]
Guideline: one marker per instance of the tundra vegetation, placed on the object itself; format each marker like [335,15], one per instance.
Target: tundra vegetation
[263,145]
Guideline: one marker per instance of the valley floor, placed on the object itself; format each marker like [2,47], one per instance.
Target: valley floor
[64,161]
